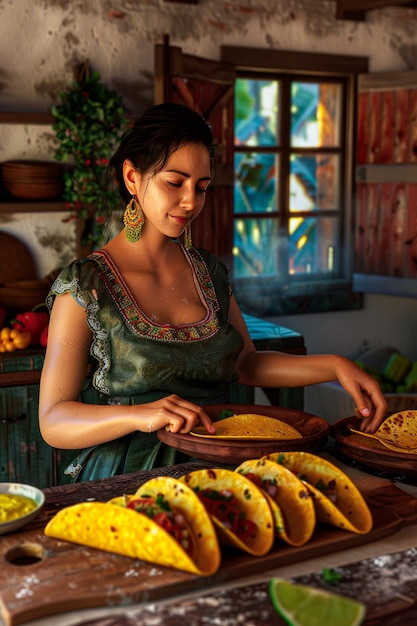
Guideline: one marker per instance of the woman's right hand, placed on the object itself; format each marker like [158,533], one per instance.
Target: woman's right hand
[174,414]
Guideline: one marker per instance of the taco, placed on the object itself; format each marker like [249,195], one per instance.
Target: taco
[164,523]
[240,512]
[249,426]
[288,497]
[397,432]
[336,498]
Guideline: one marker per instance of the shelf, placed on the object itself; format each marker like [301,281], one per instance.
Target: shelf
[385,285]
[33,206]
[10,117]
[387,173]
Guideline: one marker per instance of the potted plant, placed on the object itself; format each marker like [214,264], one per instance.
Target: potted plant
[88,122]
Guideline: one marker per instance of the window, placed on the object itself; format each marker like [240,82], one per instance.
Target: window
[293,176]
[289,155]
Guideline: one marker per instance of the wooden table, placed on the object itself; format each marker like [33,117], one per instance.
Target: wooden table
[241,583]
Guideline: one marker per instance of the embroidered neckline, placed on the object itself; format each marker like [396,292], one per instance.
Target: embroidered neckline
[136,319]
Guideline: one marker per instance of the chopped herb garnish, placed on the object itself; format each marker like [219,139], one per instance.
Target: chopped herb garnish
[331,576]
[225,413]
[321,485]
[162,502]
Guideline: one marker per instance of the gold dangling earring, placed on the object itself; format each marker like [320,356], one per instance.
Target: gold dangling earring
[133,219]
[188,242]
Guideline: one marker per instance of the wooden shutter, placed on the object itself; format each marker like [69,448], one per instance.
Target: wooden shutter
[208,87]
[386,203]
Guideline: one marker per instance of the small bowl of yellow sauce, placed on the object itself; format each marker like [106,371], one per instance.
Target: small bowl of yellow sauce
[19,504]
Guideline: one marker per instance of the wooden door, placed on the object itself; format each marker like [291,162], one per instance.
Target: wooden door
[208,87]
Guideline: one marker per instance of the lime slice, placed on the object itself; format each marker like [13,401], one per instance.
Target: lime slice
[301,605]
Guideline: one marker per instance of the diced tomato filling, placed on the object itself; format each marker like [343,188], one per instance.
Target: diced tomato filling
[159,510]
[224,506]
[267,484]
[257,480]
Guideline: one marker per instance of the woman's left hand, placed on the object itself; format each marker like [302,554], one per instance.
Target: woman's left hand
[370,402]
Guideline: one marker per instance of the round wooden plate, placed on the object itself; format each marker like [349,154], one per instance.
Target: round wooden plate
[370,451]
[314,432]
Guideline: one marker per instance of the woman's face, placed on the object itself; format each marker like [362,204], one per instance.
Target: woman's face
[174,196]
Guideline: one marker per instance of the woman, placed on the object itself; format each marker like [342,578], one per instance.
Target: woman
[156,318]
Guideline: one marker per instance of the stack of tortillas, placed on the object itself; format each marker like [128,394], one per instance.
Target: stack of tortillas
[250,426]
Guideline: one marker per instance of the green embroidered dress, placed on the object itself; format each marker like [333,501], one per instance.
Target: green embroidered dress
[135,360]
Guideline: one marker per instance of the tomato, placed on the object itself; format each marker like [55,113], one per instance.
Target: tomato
[32,322]
[225,507]
[160,512]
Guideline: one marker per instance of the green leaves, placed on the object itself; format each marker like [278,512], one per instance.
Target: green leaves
[88,123]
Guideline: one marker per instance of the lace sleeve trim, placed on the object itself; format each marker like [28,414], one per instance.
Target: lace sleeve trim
[88,300]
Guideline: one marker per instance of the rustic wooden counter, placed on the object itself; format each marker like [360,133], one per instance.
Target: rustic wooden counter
[78,580]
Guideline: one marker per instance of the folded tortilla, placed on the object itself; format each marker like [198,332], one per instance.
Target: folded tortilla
[249,426]
[238,494]
[397,432]
[114,528]
[336,498]
[289,499]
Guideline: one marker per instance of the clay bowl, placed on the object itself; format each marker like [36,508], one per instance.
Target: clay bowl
[314,431]
[28,491]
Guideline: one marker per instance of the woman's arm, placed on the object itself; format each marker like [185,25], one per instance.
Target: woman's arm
[65,422]
[276,369]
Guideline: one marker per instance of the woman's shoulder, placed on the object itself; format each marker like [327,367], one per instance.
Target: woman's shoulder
[78,278]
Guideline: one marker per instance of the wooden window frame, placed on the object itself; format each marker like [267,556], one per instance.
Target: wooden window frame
[254,61]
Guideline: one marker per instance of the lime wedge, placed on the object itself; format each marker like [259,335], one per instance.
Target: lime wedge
[301,605]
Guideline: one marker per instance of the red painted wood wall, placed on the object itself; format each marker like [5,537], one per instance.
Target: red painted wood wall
[386,208]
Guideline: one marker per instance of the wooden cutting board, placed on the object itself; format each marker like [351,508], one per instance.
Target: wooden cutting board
[67,577]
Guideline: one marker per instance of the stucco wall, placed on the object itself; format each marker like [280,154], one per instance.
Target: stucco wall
[42,40]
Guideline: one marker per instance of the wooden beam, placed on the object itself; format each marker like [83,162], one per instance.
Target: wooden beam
[387,81]
[292,61]
[357,9]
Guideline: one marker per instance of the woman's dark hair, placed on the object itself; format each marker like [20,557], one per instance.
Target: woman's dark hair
[154,135]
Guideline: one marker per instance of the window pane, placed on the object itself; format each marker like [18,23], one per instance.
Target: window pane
[315,113]
[255,188]
[313,245]
[256,107]
[314,182]
[256,247]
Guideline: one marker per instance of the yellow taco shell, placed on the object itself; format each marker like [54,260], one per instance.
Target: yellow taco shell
[291,504]
[249,426]
[251,500]
[336,498]
[114,528]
